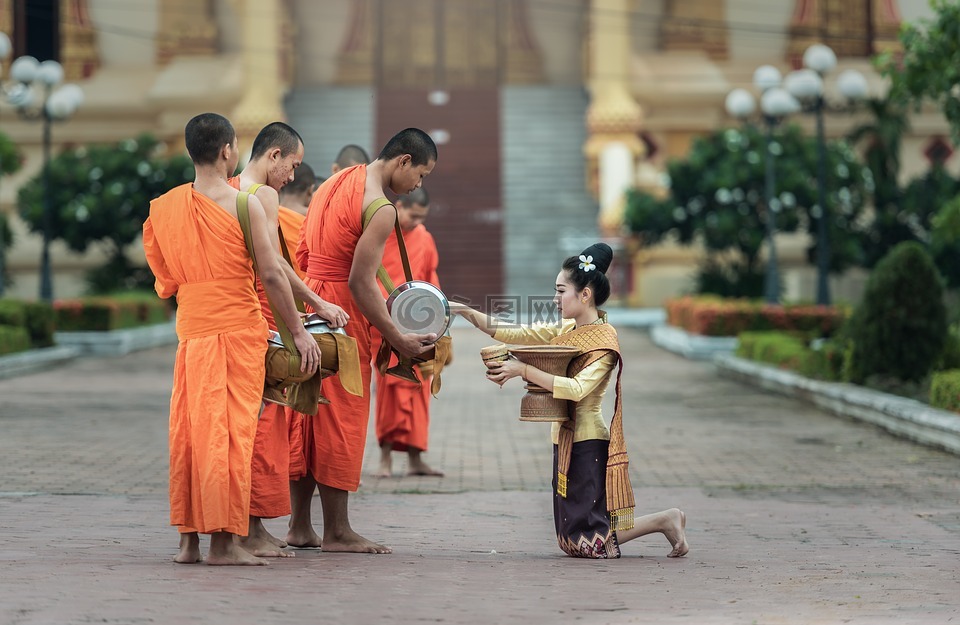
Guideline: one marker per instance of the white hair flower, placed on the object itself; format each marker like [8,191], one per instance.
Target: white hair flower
[586,263]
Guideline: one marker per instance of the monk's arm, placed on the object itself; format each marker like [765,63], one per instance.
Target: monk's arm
[277,286]
[363,284]
[165,285]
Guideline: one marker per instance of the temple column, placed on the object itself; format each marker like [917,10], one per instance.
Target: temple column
[614,118]
[263,65]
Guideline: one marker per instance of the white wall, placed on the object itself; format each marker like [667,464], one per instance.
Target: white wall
[758,28]
[321,29]
[558,29]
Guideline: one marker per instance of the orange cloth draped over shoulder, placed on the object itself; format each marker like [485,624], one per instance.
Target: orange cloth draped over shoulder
[196,251]
[270,465]
[403,408]
[334,438]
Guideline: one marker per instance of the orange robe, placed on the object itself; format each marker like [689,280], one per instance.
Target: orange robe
[403,408]
[270,465]
[334,438]
[196,251]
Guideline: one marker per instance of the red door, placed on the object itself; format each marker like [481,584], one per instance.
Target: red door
[465,196]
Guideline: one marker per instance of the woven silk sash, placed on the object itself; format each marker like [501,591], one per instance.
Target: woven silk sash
[596,341]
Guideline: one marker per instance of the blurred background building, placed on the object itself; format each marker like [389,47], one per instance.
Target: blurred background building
[545,111]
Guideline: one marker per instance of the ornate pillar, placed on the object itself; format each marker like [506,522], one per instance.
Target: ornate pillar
[187,28]
[78,40]
[264,86]
[695,25]
[614,118]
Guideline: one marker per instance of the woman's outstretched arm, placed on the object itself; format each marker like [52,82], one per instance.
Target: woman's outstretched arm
[483,322]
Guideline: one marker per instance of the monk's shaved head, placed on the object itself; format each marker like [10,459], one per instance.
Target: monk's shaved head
[417,196]
[276,135]
[205,135]
[351,155]
[412,141]
[303,180]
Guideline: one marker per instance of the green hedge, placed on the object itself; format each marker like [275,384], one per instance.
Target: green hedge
[791,351]
[36,317]
[100,314]
[13,339]
[945,390]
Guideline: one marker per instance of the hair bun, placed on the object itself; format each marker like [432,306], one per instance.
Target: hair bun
[602,256]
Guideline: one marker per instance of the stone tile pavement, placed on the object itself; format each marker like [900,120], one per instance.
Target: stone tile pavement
[794,516]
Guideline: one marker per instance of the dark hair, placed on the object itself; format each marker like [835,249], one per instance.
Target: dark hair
[303,180]
[417,196]
[205,135]
[351,155]
[412,141]
[276,135]
[600,255]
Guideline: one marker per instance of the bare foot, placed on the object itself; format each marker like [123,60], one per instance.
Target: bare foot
[225,551]
[264,548]
[189,549]
[422,468]
[352,542]
[384,471]
[259,534]
[386,461]
[677,533]
[303,540]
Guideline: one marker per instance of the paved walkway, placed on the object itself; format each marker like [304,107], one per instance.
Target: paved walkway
[794,516]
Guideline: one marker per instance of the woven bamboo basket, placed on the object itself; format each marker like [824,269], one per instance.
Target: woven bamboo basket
[539,404]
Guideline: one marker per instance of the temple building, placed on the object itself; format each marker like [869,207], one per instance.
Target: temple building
[544,111]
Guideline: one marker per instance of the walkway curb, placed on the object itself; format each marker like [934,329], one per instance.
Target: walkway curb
[903,417]
[32,360]
[119,342]
[692,346]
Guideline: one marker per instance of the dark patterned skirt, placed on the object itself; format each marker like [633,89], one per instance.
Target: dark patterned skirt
[581,518]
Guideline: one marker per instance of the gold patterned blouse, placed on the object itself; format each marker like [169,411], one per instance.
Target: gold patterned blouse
[586,388]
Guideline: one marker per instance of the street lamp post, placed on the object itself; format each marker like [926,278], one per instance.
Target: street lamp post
[775,104]
[807,85]
[29,76]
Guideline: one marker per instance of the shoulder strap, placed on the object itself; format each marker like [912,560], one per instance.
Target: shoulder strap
[283,247]
[243,215]
[382,274]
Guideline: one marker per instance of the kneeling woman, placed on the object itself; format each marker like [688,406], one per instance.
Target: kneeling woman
[592,495]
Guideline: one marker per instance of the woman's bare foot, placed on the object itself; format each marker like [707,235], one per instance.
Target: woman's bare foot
[225,551]
[676,533]
[189,549]
[303,539]
[352,542]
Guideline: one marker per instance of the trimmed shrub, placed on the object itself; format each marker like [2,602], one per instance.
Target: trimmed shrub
[100,314]
[790,351]
[36,317]
[899,328]
[945,390]
[13,339]
[713,316]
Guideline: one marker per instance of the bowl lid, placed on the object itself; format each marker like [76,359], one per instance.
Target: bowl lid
[419,307]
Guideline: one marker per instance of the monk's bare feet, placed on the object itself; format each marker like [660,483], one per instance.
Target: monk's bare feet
[304,539]
[676,533]
[259,533]
[226,551]
[189,549]
[416,465]
[352,542]
[386,461]
[263,548]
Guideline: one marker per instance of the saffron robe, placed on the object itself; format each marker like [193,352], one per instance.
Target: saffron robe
[334,438]
[195,249]
[270,465]
[403,408]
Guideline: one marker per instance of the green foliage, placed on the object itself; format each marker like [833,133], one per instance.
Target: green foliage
[945,390]
[13,339]
[929,68]
[102,193]
[899,328]
[791,351]
[10,157]
[717,197]
[116,312]
[34,317]
[950,357]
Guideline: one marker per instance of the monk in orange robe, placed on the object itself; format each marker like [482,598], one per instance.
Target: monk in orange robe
[276,155]
[403,408]
[341,259]
[349,156]
[195,247]
[294,200]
